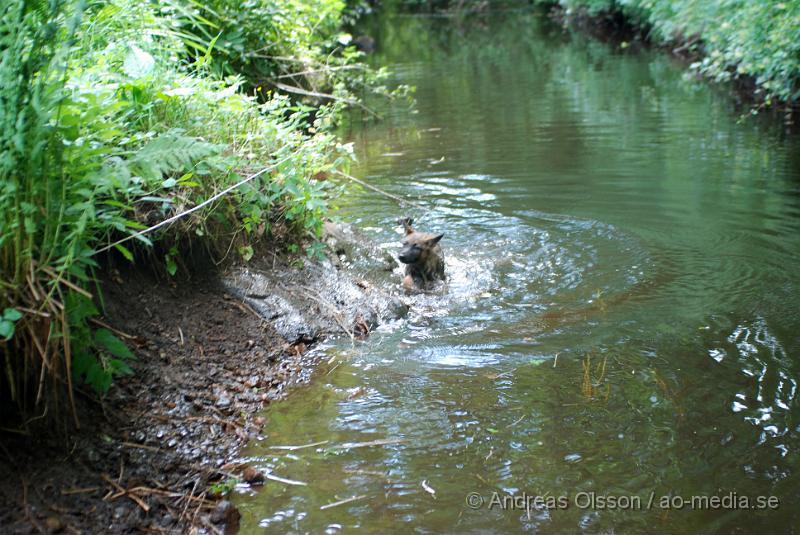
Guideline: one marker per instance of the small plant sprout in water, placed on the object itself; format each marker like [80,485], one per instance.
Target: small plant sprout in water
[593,378]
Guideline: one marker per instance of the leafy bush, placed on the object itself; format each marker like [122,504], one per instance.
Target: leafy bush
[738,37]
[291,44]
[116,118]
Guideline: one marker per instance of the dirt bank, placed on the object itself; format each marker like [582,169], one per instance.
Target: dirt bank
[212,351]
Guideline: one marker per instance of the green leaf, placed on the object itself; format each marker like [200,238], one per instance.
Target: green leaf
[81,363]
[6,329]
[79,307]
[119,367]
[12,314]
[125,252]
[99,378]
[246,252]
[117,204]
[172,267]
[106,340]
[135,225]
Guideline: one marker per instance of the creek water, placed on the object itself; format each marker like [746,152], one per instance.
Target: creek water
[619,329]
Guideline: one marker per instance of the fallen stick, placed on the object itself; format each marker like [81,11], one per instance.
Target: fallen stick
[328,96]
[125,492]
[170,494]
[315,71]
[105,325]
[353,445]
[196,207]
[293,448]
[515,422]
[140,446]
[366,472]
[336,312]
[287,481]
[79,491]
[59,278]
[342,502]
[378,190]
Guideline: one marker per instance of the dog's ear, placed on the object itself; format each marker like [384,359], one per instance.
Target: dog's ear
[433,241]
[407,222]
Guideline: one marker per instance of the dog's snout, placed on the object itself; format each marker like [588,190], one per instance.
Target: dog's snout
[408,255]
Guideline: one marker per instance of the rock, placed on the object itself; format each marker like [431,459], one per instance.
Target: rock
[53,524]
[252,476]
[225,512]
[120,511]
[252,381]
[365,43]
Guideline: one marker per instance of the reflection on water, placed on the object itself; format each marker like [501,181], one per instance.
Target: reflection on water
[620,316]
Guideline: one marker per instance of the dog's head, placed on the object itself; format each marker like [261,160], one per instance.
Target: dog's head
[416,245]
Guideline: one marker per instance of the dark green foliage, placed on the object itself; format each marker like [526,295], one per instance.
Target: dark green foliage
[116,116]
[760,39]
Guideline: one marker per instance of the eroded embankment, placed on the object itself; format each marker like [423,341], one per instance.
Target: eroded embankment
[211,352]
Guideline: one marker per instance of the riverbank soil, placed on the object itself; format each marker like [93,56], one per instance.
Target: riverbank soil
[145,458]
[211,351]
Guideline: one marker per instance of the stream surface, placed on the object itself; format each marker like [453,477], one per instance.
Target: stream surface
[620,319]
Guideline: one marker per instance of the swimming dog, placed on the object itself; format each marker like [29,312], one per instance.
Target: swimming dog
[423,258]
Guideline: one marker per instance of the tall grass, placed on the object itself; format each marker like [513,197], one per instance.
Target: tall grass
[118,115]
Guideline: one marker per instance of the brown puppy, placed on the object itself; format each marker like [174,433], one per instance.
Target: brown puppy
[423,258]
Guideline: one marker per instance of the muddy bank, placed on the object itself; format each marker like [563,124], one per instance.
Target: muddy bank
[347,293]
[153,455]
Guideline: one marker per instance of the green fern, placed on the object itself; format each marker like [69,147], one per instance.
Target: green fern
[170,153]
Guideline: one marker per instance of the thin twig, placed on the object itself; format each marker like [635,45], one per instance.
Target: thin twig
[105,325]
[287,481]
[295,448]
[194,517]
[342,502]
[32,311]
[378,190]
[315,71]
[337,313]
[125,492]
[328,96]
[189,499]
[140,446]
[87,490]
[195,208]
[515,422]
[353,445]
[59,278]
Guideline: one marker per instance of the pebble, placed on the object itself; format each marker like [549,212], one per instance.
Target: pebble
[53,524]
[225,512]
[252,476]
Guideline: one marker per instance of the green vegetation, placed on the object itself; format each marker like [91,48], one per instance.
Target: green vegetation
[734,37]
[116,116]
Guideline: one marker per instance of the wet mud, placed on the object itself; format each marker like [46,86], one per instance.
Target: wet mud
[155,454]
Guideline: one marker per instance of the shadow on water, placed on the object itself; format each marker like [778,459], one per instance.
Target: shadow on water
[620,316]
